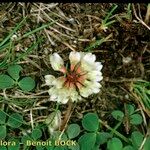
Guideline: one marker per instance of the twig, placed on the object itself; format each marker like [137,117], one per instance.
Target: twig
[38,15]
[145,138]
[25,96]
[115,132]
[60,40]
[49,18]
[139,18]
[4,94]
[147,16]
[106,79]
[36,108]
[31,119]
[49,38]
[139,10]
[66,118]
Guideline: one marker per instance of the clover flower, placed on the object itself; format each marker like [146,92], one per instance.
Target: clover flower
[81,79]
[53,121]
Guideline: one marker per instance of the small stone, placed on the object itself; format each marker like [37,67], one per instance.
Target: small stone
[126,60]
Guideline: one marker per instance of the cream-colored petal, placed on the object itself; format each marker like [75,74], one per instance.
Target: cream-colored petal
[56,61]
[98,66]
[62,96]
[74,57]
[53,97]
[59,82]
[62,99]
[49,79]
[85,92]
[95,87]
[94,76]
[98,78]
[88,65]
[74,95]
[52,90]
[89,88]
[87,83]
[95,90]
[89,58]
[53,94]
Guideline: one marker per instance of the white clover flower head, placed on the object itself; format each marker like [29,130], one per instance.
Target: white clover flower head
[53,121]
[81,79]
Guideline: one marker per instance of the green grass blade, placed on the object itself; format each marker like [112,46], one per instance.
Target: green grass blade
[7,57]
[146,98]
[4,46]
[142,97]
[28,51]
[97,43]
[15,29]
[109,23]
[3,63]
[129,10]
[36,30]
[109,14]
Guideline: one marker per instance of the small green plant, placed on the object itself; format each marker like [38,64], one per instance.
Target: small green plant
[7,124]
[97,43]
[92,136]
[72,132]
[15,120]
[129,12]
[8,45]
[90,139]
[126,15]
[35,135]
[14,146]
[2,125]
[130,113]
[137,138]
[13,78]
[107,21]
[142,90]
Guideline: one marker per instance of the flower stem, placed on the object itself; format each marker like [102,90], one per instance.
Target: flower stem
[67,116]
[115,131]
